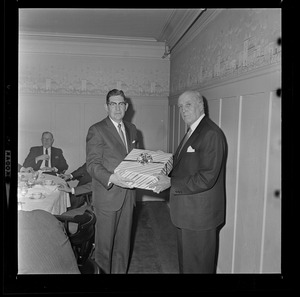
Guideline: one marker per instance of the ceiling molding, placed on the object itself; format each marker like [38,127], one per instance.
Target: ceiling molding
[89,46]
[177,25]
[88,38]
[207,16]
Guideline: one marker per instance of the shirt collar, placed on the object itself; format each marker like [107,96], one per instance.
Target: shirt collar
[49,150]
[116,124]
[195,124]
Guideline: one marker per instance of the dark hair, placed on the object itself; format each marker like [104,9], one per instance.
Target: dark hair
[115,92]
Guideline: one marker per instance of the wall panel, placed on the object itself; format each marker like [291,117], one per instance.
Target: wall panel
[251,181]
[271,253]
[66,129]
[230,126]
[214,110]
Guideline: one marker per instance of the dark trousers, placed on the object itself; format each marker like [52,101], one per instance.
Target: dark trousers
[112,237]
[197,250]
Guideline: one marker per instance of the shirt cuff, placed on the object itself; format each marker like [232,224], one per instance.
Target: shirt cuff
[73,191]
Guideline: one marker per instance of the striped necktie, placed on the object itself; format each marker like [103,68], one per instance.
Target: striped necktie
[122,136]
[185,139]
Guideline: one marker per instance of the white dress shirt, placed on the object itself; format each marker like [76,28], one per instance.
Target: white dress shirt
[49,161]
[122,128]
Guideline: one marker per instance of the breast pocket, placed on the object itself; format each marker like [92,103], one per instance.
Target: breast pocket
[190,161]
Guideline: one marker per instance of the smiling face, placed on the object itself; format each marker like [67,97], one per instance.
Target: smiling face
[191,107]
[116,108]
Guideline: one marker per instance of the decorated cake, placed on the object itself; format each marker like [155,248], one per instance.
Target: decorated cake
[141,166]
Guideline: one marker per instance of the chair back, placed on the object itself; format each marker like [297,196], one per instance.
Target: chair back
[82,240]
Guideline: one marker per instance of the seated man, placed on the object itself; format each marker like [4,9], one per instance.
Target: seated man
[46,157]
[84,185]
[43,245]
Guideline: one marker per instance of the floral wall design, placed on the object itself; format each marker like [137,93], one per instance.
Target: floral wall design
[235,42]
[92,75]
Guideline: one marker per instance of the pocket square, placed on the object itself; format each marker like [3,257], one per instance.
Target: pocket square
[56,157]
[190,150]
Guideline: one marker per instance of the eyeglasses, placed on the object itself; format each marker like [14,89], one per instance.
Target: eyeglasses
[115,104]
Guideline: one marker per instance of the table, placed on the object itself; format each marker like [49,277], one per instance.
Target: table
[53,200]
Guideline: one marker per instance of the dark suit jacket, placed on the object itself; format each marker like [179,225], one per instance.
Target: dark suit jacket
[104,152]
[197,194]
[57,158]
[82,175]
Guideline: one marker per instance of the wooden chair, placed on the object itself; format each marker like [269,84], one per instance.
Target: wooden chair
[81,231]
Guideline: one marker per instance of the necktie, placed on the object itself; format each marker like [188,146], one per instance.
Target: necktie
[47,162]
[122,136]
[186,137]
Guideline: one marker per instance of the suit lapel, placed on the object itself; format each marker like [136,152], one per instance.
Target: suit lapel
[189,141]
[53,157]
[40,152]
[128,137]
[112,129]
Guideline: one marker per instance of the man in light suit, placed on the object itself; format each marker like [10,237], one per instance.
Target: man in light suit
[113,198]
[46,157]
[197,194]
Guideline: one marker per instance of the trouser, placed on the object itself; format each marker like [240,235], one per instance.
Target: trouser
[112,237]
[197,250]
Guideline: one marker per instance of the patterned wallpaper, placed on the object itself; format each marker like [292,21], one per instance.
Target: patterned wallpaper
[235,42]
[91,75]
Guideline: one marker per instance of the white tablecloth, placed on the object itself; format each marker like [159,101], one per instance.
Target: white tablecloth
[53,200]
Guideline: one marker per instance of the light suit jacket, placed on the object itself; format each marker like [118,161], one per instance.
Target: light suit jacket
[104,152]
[197,194]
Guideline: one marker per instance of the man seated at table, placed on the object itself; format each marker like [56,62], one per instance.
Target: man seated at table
[43,246]
[46,157]
[84,185]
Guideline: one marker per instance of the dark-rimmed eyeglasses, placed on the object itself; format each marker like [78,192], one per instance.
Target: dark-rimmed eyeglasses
[115,104]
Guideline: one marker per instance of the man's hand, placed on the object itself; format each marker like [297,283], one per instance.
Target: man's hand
[27,169]
[42,157]
[47,169]
[65,176]
[163,183]
[120,181]
[64,188]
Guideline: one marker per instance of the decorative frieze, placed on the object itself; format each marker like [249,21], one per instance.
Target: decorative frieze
[235,42]
[54,67]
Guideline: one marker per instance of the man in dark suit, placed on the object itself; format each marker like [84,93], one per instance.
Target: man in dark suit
[84,185]
[197,194]
[46,157]
[107,144]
